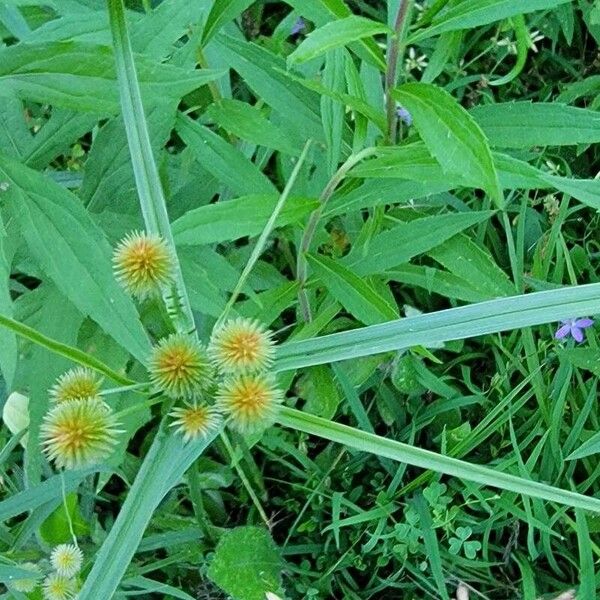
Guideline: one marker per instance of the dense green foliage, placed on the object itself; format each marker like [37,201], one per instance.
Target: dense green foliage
[406,194]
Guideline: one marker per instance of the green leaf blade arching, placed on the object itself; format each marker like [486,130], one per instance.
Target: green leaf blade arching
[236,218]
[221,12]
[451,135]
[73,252]
[426,459]
[452,324]
[352,291]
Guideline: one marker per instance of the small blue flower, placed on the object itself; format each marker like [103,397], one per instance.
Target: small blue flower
[573,328]
[404,116]
[298,27]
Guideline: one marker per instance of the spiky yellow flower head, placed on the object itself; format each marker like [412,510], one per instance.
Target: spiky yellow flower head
[29,584]
[79,433]
[66,560]
[143,263]
[241,346]
[57,587]
[180,366]
[76,384]
[251,401]
[195,421]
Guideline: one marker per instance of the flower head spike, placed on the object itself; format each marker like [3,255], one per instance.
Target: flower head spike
[29,584]
[241,346]
[66,560]
[76,384]
[57,587]
[573,328]
[180,366]
[195,421]
[250,401]
[79,433]
[143,263]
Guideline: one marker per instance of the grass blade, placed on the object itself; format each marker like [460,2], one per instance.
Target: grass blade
[166,462]
[426,459]
[453,324]
[152,199]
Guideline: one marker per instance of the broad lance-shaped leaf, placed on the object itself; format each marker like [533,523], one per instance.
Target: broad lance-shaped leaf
[352,291]
[414,162]
[250,123]
[399,244]
[265,74]
[72,251]
[232,219]
[527,124]
[453,324]
[221,159]
[451,135]
[334,35]
[426,459]
[474,13]
[9,574]
[82,76]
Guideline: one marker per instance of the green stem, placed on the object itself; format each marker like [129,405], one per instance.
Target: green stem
[262,240]
[198,503]
[313,221]
[531,354]
[245,480]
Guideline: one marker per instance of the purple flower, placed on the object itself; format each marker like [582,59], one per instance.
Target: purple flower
[298,27]
[573,328]
[404,116]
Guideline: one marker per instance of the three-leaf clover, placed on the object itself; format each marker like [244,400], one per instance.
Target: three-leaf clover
[470,548]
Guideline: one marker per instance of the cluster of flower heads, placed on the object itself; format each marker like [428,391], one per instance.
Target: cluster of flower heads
[229,377]
[80,429]
[61,582]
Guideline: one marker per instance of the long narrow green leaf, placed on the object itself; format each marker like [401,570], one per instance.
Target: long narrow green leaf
[9,574]
[147,180]
[167,460]
[221,12]
[221,159]
[452,324]
[425,459]
[65,350]
[473,13]
[232,219]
